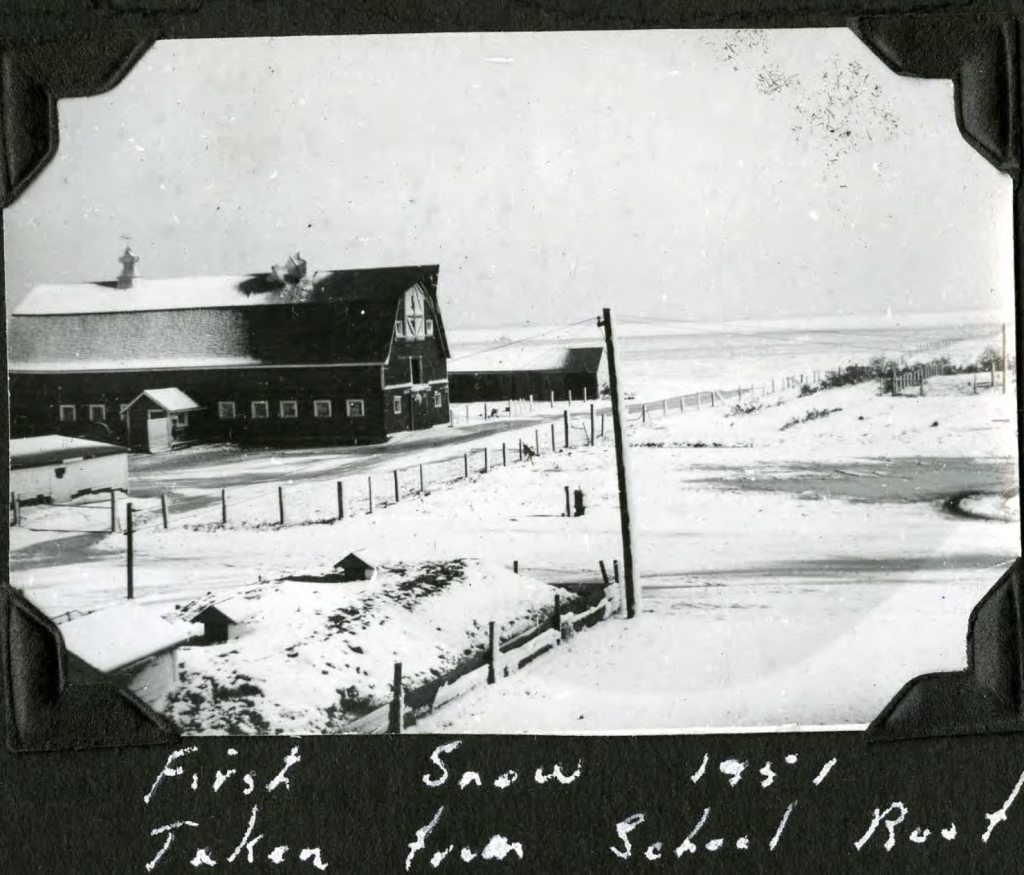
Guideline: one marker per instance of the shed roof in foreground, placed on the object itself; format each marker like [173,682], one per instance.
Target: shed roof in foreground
[54,448]
[115,637]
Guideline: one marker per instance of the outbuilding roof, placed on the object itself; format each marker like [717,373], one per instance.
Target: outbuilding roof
[53,449]
[343,317]
[115,637]
[527,357]
[172,400]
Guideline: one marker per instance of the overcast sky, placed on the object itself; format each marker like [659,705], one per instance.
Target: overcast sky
[668,174]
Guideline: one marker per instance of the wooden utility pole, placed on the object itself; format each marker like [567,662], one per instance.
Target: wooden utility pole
[130,531]
[1004,358]
[620,467]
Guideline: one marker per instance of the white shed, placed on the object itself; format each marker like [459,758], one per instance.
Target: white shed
[129,643]
[59,468]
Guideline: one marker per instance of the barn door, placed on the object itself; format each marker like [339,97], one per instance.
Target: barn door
[159,434]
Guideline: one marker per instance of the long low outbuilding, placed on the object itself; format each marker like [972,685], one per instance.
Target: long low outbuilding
[57,468]
[524,371]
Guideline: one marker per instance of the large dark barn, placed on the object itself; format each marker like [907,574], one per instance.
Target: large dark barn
[340,357]
[522,372]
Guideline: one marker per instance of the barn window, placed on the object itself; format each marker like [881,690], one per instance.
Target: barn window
[180,420]
[437,400]
[322,409]
[355,407]
[67,413]
[399,328]
[260,410]
[226,409]
[97,413]
[396,403]
[288,409]
[430,328]
[416,370]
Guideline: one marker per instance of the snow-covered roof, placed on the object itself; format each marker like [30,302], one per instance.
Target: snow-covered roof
[118,636]
[527,357]
[55,448]
[341,317]
[172,400]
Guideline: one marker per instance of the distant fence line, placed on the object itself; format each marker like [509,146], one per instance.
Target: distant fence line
[330,499]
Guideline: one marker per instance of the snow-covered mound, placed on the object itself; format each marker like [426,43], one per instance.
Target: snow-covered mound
[991,507]
[309,656]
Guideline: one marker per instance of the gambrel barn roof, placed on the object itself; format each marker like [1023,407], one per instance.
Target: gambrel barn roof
[340,317]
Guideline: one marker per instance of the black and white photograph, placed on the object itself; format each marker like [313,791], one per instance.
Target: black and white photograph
[529,383]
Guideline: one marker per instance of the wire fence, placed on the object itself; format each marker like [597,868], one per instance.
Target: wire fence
[566,425]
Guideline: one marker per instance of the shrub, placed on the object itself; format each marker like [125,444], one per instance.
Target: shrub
[810,416]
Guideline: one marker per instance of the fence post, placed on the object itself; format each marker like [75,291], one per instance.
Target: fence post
[993,384]
[423,487]
[698,399]
[604,572]
[398,493]
[712,394]
[223,507]
[163,508]
[643,413]
[509,408]
[130,529]
[557,617]
[682,404]
[554,445]
[504,456]
[593,434]
[369,488]
[396,714]
[739,396]
[17,509]
[894,381]
[487,466]
[569,396]
[565,420]
[536,440]
[492,655]
[602,425]
[280,503]
[584,394]
[465,465]
[552,397]
[615,569]
[520,449]
[113,510]
[568,507]
[515,566]
[531,404]
[341,501]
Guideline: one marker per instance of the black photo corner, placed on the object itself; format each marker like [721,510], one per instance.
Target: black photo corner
[947,748]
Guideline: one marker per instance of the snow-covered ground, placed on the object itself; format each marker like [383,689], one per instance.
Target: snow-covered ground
[313,655]
[784,552]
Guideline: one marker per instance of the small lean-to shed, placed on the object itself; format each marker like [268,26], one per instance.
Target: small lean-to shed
[56,468]
[218,626]
[159,419]
[355,567]
[130,644]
